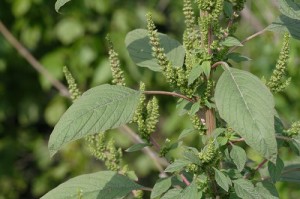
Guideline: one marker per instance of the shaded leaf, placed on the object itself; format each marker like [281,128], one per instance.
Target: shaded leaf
[222,180]
[103,184]
[172,194]
[97,110]
[267,190]
[206,67]
[245,189]
[191,191]
[59,4]
[284,24]
[275,169]
[247,105]
[238,156]
[183,106]
[237,57]
[195,73]
[291,173]
[137,43]
[289,8]
[137,147]
[177,165]
[160,187]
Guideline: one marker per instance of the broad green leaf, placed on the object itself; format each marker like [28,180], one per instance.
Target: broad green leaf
[161,186]
[206,67]
[275,169]
[267,190]
[137,147]
[222,180]
[172,194]
[238,156]
[183,106]
[195,73]
[228,9]
[59,4]
[191,191]
[245,189]
[237,57]
[97,110]
[103,184]
[137,43]
[185,133]
[295,144]
[231,41]
[284,24]
[247,105]
[192,156]
[177,165]
[291,173]
[290,8]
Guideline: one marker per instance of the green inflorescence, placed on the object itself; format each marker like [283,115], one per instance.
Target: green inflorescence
[117,73]
[277,82]
[294,130]
[209,153]
[105,151]
[73,89]
[146,115]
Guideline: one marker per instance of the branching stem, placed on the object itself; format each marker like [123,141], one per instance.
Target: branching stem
[169,93]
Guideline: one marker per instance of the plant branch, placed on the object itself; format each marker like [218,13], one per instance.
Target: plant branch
[169,93]
[32,60]
[158,162]
[185,180]
[146,189]
[257,168]
[247,39]
[215,65]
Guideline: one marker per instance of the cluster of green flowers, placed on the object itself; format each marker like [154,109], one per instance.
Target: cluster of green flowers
[117,73]
[105,151]
[294,130]
[146,115]
[198,124]
[209,153]
[73,89]
[238,5]
[276,82]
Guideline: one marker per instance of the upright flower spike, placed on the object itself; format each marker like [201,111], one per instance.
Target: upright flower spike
[117,73]
[276,82]
[73,89]
[189,16]
[152,115]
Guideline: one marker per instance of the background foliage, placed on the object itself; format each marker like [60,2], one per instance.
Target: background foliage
[30,106]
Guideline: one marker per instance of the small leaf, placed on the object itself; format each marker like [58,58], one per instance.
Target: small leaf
[97,110]
[137,147]
[172,194]
[93,185]
[195,73]
[192,156]
[267,190]
[222,180]
[177,165]
[191,191]
[275,170]
[195,108]
[247,105]
[183,106]
[140,51]
[231,41]
[291,173]
[228,9]
[206,67]
[245,189]
[238,156]
[185,133]
[59,4]
[237,57]
[160,187]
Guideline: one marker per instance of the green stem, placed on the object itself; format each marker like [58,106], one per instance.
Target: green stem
[170,94]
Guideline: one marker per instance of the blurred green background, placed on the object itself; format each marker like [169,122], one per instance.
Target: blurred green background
[30,106]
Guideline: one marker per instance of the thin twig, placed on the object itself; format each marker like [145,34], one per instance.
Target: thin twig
[185,180]
[247,39]
[146,189]
[257,168]
[169,93]
[215,65]
[32,60]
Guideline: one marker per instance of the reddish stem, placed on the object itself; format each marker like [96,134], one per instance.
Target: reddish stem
[169,93]
[185,180]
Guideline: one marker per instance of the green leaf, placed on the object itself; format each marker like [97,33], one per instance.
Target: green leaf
[183,106]
[172,194]
[222,180]
[267,190]
[289,8]
[191,191]
[97,110]
[228,9]
[291,173]
[137,147]
[103,184]
[231,41]
[195,73]
[238,156]
[275,169]
[192,156]
[177,165]
[137,43]
[237,57]
[59,4]
[206,67]
[186,132]
[247,105]
[284,24]
[245,189]
[63,30]
[161,186]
